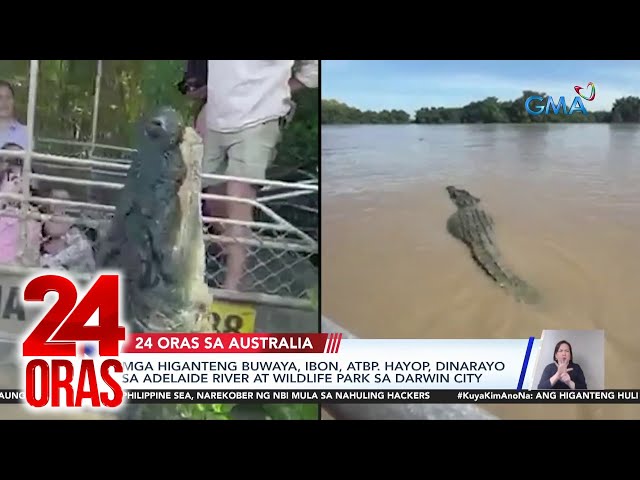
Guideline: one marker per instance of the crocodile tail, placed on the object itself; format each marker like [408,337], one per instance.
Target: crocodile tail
[524,292]
[488,261]
[503,276]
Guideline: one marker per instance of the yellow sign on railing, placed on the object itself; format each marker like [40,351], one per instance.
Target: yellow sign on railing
[227,317]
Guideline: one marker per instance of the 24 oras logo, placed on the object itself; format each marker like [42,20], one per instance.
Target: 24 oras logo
[65,373]
[535,105]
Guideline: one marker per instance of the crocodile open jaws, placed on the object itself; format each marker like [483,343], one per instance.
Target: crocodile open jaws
[474,227]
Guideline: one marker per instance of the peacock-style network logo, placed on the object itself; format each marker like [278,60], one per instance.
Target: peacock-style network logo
[588,98]
[87,350]
[537,105]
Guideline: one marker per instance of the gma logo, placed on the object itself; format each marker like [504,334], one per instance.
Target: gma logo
[540,107]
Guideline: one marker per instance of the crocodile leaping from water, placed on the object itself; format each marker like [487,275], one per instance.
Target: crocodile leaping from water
[473,226]
[156,238]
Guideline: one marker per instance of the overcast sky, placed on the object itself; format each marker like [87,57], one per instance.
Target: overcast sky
[412,84]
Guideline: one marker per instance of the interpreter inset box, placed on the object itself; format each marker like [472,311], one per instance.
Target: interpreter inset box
[570,360]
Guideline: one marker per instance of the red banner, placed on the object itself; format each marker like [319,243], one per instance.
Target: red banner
[232,343]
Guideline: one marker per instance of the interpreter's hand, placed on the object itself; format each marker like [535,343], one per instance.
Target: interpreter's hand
[565,378]
[562,368]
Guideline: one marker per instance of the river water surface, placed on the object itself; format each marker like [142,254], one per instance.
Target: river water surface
[566,203]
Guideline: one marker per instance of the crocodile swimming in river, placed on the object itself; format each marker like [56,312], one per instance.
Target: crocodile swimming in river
[474,227]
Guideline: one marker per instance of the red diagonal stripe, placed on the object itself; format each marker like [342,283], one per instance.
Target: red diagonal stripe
[327,343]
[333,342]
[338,342]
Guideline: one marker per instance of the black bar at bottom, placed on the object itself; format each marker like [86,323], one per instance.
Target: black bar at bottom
[365,396]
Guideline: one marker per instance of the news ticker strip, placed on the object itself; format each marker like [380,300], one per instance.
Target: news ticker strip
[365,396]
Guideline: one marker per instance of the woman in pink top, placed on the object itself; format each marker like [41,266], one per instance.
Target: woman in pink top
[11,241]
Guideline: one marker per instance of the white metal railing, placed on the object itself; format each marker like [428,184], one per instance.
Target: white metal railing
[308,243]
[78,143]
[121,165]
[304,242]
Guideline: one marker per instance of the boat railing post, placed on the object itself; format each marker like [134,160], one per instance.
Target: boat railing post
[96,108]
[94,125]
[26,163]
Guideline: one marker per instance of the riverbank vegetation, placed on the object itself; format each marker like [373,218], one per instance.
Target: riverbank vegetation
[489,110]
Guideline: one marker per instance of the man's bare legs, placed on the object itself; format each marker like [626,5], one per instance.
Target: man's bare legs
[236,251]
[245,154]
[216,208]
[216,250]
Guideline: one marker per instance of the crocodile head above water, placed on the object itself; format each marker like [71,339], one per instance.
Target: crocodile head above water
[155,238]
[461,198]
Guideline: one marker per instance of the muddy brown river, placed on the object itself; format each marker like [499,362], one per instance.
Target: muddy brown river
[566,204]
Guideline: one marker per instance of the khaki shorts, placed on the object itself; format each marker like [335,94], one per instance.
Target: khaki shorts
[247,153]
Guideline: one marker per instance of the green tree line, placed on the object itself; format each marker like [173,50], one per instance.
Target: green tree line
[489,110]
